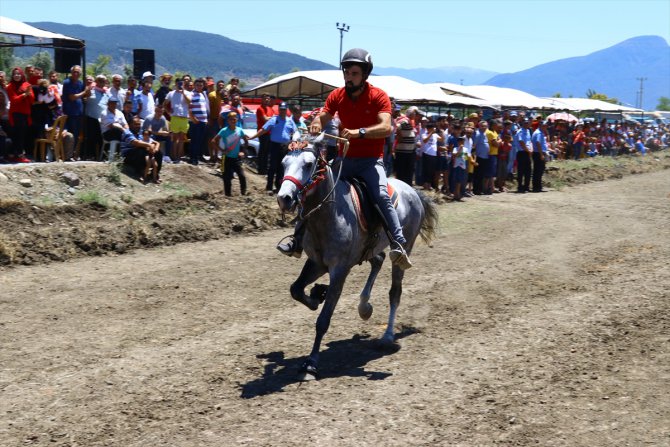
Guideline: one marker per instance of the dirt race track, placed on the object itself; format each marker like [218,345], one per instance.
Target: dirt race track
[537,319]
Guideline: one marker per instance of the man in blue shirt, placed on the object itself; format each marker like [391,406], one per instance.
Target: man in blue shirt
[74,93]
[523,147]
[480,149]
[281,129]
[539,141]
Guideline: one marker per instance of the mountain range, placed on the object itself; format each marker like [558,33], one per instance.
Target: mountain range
[192,52]
[613,71]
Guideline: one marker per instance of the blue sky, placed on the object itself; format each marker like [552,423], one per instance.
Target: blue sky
[501,36]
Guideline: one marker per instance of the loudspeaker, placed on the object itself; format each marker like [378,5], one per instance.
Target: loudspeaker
[143,60]
[66,54]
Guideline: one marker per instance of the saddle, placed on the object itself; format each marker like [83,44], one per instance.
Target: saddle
[368,214]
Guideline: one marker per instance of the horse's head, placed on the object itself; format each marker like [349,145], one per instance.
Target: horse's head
[300,164]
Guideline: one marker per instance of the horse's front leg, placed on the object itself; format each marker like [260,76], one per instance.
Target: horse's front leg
[337,278]
[311,271]
[364,306]
[388,339]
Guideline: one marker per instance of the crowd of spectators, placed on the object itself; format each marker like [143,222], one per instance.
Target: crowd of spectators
[473,155]
[156,121]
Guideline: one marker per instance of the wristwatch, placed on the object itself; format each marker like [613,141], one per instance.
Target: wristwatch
[361,132]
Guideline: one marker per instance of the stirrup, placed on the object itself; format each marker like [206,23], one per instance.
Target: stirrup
[290,247]
[400,257]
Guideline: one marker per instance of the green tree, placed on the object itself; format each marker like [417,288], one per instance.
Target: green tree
[99,66]
[663,104]
[127,70]
[592,94]
[557,95]
[41,59]
[6,57]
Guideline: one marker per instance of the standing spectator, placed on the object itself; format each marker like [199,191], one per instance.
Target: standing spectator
[229,139]
[578,139]
[116,91]
[145,100]
[263,114]
[74,93]
[480,148]
[234,106]
[148,76]
[405,146]
[459,173]
[215,98]
[53,80]
[469,131]
[281,129]
[198,112]
[232,86]
[132,92]
[96,105]
[164,89]
[539,139]
[4,118]
[177,105]
[21,97]
[503,154]
[452,147]
[493,136]
[296,116]
[46,105]
[444,156]
[430,138]
[524,149]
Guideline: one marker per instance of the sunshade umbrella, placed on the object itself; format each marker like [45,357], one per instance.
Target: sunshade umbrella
[563,116]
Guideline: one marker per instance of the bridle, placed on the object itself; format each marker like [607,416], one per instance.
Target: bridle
[318,175]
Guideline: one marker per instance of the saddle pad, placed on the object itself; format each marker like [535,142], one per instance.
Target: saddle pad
[358,203]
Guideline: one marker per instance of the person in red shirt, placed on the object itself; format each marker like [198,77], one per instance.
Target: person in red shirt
[365,116]
[263,114]
[578,137]
[21,98]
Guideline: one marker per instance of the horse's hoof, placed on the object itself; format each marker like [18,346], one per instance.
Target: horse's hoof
[387,344]
[307,373]
[318,292]
[365,310]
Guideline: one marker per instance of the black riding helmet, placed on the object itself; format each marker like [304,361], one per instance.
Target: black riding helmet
[358,56]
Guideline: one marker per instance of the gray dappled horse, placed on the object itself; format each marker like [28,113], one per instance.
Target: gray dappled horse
[334,241]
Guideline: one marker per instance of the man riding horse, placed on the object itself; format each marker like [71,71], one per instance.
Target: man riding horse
[365,114]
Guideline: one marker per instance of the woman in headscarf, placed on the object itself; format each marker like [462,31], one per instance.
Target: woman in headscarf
[21,97]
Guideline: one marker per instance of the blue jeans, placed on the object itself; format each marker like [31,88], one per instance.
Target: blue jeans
[371,170]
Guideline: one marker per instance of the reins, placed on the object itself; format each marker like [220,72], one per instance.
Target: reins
[318,176]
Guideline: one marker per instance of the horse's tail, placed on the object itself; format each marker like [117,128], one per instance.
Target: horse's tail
[430,219]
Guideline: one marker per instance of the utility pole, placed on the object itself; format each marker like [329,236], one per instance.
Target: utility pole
[344,28]
[641,90]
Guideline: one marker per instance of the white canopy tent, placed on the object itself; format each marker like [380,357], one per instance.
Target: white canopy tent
[498,97]
[15,28]
[67,50]
[319,83]
[586,104]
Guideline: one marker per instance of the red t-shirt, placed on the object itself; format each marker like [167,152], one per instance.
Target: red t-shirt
[360,113]
[261,113]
